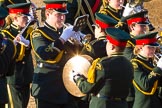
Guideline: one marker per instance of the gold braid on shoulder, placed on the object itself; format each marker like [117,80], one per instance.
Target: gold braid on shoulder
[137,86]
[91,71]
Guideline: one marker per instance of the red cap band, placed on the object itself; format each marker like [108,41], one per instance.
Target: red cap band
[135,20]
[102,24]
[56,6]
[116,42]
[146,41]
[19,10]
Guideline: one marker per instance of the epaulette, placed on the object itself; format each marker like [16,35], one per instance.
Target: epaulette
[29,30]
[99,64]
[142,63]
[88,47]
[42,33]
[135,65]
[35,33]
[130,44]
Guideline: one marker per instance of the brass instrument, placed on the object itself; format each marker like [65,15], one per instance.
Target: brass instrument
[79,24]
[159,37]
[134,3]
[158,53]
[157,56]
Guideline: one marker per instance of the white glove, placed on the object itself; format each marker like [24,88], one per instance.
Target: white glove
[74,76]
[20,39]
[159,63]
[127,10]
[67,33]
[137,9]
[78,36]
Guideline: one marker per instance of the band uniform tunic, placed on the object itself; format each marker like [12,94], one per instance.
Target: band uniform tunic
[50,57]
[113,79]
[146,82]
[7,63]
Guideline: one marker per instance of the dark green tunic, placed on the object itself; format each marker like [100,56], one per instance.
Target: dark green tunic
[19,82]
[114,13]
[96,48]
[128,52]
[47,81]
[145,81]
[23,71]
[113,79]
[7,62]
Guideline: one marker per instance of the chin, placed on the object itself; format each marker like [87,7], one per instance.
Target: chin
[59,26]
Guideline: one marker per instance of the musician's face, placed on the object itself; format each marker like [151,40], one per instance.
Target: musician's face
[116,4]
[109,48]
[55,19]
[138,29]
[148,51]
[21,20]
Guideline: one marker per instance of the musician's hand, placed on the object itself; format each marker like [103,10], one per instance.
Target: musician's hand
[74,75]
[127,10]
[159,63]
[67,33]
[33,11]
[20,39]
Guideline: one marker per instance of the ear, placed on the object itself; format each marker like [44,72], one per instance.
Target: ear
[15,18]
[99,29]
[112,46]
[131,27]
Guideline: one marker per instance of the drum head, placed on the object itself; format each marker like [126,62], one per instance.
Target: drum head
[78,64]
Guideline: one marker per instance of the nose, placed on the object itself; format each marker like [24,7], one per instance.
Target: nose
[62,16]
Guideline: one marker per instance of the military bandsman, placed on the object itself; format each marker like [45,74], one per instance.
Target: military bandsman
[19,82]
[109,78]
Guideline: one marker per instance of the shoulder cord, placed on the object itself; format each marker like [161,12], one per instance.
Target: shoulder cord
[22,48]
[47,37]
[138,88]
